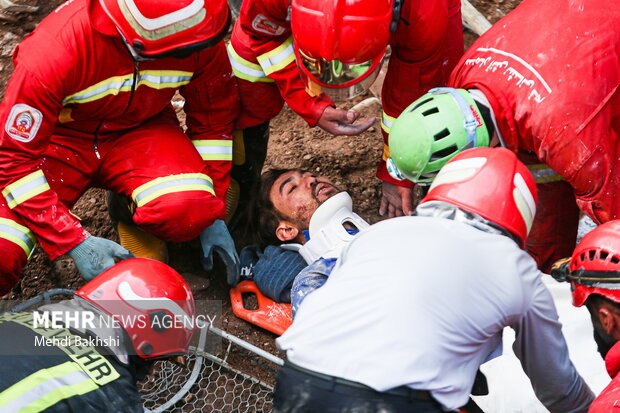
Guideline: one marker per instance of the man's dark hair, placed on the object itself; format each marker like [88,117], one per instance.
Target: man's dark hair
[265,217]
[595,301]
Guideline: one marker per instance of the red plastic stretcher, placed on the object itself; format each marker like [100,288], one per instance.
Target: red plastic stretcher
[272,316]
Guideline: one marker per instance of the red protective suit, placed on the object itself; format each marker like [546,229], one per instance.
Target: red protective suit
[551,73]
[425,47]
[609,399]
[79,112]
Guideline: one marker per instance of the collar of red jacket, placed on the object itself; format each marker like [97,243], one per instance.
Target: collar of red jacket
[612,360]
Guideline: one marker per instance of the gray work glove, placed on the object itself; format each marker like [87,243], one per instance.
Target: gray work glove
[216,239]
[95,255]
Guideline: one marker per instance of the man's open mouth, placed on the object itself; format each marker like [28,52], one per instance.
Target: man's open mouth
[322,188]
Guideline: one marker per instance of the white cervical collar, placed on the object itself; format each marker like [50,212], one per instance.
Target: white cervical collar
[328,236]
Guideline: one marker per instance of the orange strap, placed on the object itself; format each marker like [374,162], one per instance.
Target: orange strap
[272,316]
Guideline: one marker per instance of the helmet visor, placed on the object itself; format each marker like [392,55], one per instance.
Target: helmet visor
[340,81]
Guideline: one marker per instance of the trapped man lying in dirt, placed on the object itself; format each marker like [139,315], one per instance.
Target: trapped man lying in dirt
[301,220]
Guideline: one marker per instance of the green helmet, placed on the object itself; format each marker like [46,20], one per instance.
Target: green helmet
[430,131]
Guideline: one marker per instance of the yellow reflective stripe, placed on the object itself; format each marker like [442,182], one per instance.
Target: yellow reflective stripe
[214,150]
[244,69]
[543,174]
[18,234]
[46,387]
[25,188]
[278,58]
[171,184]
[156,79]
[386,152]
[386,122]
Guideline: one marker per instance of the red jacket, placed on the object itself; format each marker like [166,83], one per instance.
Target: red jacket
[425,47]
[72,80]
[609,399]
[551,73]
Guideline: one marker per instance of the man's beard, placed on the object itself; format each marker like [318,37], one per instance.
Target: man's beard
[604,341]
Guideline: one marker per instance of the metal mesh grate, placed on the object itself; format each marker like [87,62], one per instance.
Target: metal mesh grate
[238,379]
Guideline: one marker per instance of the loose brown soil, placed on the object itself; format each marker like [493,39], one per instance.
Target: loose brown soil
[348,161]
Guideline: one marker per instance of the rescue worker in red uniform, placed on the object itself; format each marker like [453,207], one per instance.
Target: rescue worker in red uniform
[545,84]
[89,104]
[594,274]
[339,47]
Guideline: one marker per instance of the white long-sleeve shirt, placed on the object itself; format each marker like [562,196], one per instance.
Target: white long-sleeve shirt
[422,302]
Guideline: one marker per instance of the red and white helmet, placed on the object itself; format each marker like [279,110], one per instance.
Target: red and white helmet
[492,183]
[340,44]
[152,303]
[594,267]
[160,28]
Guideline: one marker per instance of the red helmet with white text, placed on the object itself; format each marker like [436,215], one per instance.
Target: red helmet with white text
[594,267]
[340,44]
[152,303]
[161,28]
[492,183]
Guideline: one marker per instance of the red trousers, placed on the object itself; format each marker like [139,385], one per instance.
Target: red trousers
[155,164]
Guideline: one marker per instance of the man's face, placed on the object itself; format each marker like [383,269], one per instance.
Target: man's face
[296,195]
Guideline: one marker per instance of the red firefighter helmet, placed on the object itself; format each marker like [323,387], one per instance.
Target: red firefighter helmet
[492,183]
[152,303]
[160,28]
[594,267]
[340,44]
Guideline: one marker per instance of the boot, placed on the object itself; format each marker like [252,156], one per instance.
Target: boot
[249,152]
[139,242]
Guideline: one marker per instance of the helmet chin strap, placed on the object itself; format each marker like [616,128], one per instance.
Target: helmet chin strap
[398,4]
[328,228]
[486,111]
[134,54]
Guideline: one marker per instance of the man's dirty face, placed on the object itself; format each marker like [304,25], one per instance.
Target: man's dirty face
[296,195]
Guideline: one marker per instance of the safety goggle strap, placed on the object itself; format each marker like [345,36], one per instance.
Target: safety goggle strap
[595,278]
[470,121]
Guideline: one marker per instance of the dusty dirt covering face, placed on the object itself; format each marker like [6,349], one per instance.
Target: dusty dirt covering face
[348,161]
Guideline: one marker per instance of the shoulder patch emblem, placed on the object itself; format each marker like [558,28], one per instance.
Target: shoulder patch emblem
[264,25]
[23,122]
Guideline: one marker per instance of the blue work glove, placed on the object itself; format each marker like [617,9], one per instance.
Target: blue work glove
[217,239]
[95,255]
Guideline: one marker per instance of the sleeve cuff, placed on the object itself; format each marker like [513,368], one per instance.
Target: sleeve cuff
[383,175]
